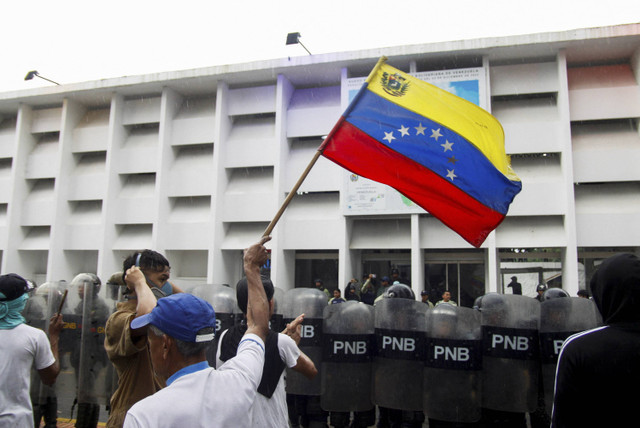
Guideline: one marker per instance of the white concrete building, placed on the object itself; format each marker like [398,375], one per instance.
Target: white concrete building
[195,164]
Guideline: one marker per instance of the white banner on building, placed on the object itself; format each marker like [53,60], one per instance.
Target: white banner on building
[366,197]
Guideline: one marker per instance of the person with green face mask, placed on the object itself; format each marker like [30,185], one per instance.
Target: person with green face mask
[22,346]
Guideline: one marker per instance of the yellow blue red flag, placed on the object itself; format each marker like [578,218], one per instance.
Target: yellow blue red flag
[443,152]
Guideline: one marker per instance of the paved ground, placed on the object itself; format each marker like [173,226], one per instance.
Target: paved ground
[69,423]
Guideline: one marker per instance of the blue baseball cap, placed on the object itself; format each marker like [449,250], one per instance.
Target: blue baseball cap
[180,316]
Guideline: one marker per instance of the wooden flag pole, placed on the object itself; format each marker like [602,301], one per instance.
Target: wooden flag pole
[292,193]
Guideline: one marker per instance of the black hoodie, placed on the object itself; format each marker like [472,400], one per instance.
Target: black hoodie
[598,373]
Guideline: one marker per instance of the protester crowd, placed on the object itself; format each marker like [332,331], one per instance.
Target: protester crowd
[152,354]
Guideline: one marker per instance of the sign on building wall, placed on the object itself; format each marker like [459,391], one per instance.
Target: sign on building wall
[364,196]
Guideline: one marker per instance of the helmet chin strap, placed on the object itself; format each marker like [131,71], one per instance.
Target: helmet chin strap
[158,293]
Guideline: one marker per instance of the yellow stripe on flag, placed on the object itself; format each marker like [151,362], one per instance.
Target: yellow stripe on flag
[473,123]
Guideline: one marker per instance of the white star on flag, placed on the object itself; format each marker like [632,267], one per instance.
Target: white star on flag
[435,133]
[403,130]
[420,129]
[447,146]
[389,136]
[450,174]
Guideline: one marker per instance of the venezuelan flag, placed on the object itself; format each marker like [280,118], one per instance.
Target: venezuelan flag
[444,153]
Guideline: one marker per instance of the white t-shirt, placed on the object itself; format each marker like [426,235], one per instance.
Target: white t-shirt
[206,398]
[271,412]
[20,348]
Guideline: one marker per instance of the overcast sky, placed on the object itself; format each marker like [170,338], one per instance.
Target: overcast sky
[72,41]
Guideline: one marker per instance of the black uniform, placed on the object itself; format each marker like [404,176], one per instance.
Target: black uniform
[515,286]
[598,372]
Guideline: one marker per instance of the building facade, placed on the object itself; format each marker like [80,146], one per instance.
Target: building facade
[196,163]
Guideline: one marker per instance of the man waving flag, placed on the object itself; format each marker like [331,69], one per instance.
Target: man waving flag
[444,153]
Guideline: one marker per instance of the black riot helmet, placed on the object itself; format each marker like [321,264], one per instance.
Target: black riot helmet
[494,308]
[399,290]
[477,304]
[554,293]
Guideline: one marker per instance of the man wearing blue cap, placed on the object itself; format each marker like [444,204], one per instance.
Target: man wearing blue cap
[22,346]
[181,327]
[385,283]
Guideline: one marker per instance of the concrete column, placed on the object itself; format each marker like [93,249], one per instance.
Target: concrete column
[492,275]
[58,267]
[12,261]
[217,272]
[108,262]
[635,67]
[417,256]
[169,107]
[570,252]
[280,273]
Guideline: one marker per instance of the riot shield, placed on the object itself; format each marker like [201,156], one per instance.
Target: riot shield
[85,314]
[223,300]
[188,287]
[559,319]
[69,344]
[510,363]
[347,344]
[276,323]
[400,326]
[311,302]
[453,364]
[38,310]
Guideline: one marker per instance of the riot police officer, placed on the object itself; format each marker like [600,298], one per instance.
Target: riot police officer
[540,289]
[89,313]
[399,328]
[510,361]
[346,368]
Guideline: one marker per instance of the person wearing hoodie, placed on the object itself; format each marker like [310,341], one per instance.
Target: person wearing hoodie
[598,371]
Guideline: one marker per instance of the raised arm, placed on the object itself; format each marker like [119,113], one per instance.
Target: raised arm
[146,300]
[49,374]
[304,364]
[257,305]
[293,329]
[367,284]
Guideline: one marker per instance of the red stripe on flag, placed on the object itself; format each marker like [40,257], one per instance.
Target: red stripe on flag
[361,154]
